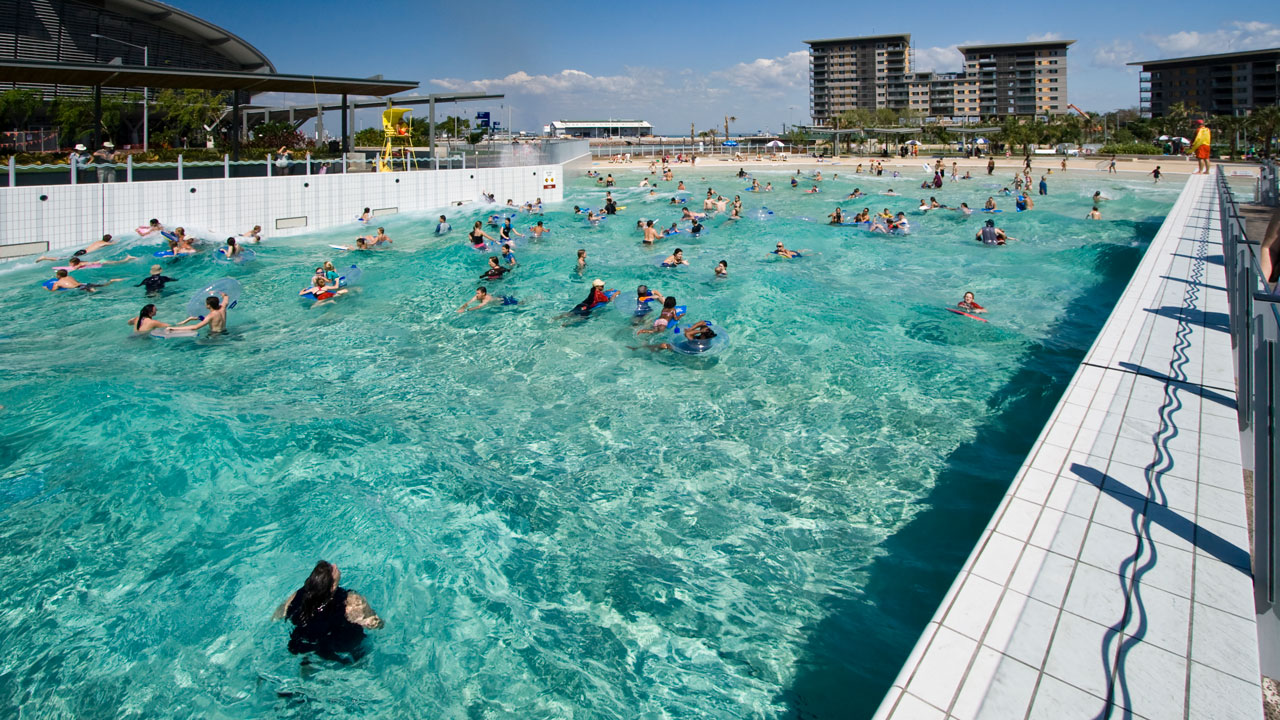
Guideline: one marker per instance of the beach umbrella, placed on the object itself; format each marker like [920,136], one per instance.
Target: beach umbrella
[1163,137]
[912,142]
[773,143]
[980,141]
[730,143]
[1182,140]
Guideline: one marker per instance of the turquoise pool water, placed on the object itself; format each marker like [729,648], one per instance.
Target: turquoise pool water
[552,524]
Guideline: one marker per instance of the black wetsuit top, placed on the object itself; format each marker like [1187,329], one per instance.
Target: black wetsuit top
[155,283]
[328,633]
[494,273]
[611,207]
[477,237]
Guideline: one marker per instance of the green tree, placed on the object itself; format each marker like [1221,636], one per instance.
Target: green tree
[74,118]
[1231,127]
[1266,124]
[17,107]
[369,137]
[796,136]
[186,113]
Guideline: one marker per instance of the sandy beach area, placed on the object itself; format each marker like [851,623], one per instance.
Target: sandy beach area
[1005,166]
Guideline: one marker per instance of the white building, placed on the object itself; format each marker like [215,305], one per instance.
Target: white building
[598,128]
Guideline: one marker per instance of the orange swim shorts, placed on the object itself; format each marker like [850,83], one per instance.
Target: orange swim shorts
[1202,152]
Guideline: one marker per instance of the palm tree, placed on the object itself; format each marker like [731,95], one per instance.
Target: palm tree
[1232,126]
[1266,123]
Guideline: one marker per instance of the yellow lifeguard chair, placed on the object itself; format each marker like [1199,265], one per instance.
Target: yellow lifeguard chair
[397,131]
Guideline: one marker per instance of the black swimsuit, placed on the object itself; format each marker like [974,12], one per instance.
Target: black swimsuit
[328,633]
[154,283]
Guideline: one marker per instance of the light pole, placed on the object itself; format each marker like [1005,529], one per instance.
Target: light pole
[145,105]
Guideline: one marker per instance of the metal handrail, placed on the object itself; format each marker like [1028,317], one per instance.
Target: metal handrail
[1254,313]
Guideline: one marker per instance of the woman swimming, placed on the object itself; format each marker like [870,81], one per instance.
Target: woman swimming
[675,259]
[478,237]
[146,322]
[328,620]
[495,271]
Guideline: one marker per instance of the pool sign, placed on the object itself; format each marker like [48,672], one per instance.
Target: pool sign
[482,119]
[549,180]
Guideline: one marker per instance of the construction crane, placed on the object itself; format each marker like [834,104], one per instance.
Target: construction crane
[1085,115]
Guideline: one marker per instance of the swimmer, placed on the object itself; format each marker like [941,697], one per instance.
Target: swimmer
[885,214]
[698,332]
[75,263]
[813,190]
[146,322]
[232,249]
[479,237]
[1020,202]
[857,193]
[1098,197]
[610,206]
[794,183]
[328,620]
[495,271]
[696,228]
[506,231]
[379,238]
[755,185]
[989,234]
[837,217]
[665,318]
[596,297]
[675,259]
[582,260]
[362,243]
[680,186]
[784,252]
[935,205]
[644,182]
[508,256]
[889,192]
[328,270]
[968,305]
[443,226]
[324,290]
[650,234]
[1156,174]
[216,319]
[990,204]
[593,218]
[537,230]
[1094,214]
[95,245]
[900,225]
[966,176]
[254,235]
[153,226]
[722,269]
[64,281]
[768,187]
[673,230]
[155,282]
[180,244]
[924,206]
[863,217]
[365,216]
[481,299]
[965,209]
[687,214]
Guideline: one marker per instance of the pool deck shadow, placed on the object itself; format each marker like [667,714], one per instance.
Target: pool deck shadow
[1114,580]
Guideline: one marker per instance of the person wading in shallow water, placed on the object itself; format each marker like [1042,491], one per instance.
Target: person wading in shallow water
[327,620]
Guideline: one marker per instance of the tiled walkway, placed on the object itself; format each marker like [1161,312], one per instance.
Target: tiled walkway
[1114,580]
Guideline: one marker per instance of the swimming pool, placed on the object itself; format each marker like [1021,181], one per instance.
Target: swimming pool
[552,524]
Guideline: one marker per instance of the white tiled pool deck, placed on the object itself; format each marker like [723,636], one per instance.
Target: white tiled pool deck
[1113,580]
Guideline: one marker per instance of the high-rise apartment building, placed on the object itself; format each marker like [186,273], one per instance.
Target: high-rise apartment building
[1225,84]
[858,72]
[1019,79]
[1028,79]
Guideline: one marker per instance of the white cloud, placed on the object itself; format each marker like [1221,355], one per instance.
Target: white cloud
[782,73]
[938,59]
[1233,37]
[1115,54]
[761,92]
[1041,37]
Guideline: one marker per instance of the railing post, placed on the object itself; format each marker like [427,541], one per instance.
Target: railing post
[226,166]
[74,171]
[179,166]
[268,164]
[128,168]
[13,171]
[308,163]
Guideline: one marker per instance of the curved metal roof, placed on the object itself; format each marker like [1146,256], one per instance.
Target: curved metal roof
[187,25]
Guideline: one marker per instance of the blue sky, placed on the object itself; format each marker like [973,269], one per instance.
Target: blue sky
[676,64]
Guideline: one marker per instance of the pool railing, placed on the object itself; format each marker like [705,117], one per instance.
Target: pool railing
[1254,312]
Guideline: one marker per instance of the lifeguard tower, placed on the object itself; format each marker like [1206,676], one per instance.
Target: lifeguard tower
[397,131]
